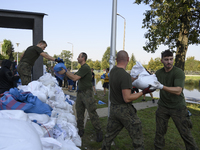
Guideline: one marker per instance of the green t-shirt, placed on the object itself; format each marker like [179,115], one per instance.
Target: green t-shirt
[173,78]
[85,73]
[119,79]
[31,54]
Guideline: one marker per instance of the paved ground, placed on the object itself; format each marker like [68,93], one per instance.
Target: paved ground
[103,112]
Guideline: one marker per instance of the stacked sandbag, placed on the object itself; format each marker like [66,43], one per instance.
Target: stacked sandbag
[57,131]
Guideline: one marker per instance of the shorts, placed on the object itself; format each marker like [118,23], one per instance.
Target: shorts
[70,82]
[93,83]
[106,85]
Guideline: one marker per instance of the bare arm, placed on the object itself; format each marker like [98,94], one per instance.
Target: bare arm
[70,75]
[43,54]
[128,97]
[173,90]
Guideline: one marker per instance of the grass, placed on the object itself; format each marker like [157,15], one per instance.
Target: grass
[173,141]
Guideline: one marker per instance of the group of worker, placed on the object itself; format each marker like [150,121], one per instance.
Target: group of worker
[122,111]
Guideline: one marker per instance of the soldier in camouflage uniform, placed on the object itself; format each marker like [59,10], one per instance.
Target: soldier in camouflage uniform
[28,59]
[172,103]
[122,112]
[85,97]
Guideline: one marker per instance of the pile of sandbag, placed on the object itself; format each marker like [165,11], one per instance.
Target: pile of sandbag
[34,131]
[144,78]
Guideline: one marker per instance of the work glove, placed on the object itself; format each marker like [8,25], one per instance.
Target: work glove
[158,85]
[148,90]
[58,60]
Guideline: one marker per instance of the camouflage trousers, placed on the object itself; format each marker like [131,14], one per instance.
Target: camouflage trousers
[123,115]
[24,70]
[183,124]
[85,100]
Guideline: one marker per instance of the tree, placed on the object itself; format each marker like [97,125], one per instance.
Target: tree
[66,56]
[90,63]
[154,64]
[106,58]
[7,49]
[191,64]
[172,23]
[97,65]
[131,63]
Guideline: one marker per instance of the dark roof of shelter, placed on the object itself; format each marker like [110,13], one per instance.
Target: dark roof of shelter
[21,12]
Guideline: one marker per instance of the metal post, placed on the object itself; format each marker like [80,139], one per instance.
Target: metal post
[72,56]
[112,43]
[17,52]
[124,30]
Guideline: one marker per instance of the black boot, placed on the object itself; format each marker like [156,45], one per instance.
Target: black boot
[99,136]
[81,132]
[153,100]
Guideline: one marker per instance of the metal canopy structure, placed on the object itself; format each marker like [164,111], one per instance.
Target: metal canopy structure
[26,20]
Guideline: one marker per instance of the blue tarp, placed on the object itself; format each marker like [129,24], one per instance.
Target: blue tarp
[19,100]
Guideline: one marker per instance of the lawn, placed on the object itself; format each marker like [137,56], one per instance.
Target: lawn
[173,140]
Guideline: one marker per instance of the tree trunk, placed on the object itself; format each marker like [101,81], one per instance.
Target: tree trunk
[182,46]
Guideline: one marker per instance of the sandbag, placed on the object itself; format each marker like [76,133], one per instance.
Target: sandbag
[18,135]
[58,67]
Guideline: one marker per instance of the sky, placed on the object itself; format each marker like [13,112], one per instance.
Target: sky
[87,25]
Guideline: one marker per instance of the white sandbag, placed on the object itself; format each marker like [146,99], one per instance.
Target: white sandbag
[41,118]
[18,135]
[49,143]
[48,79]
[39,130]
[67,144]
[14,114]
[144,81]
[41,96]
[69,117]
[49,125]
[137,69]
[34,86]
[77,140]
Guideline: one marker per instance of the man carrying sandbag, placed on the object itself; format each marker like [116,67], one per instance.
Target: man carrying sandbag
[28,59]
[85,97]
[122,112]
[172,103]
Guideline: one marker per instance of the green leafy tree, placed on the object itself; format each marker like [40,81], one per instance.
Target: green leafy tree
[131,63]
[151,64]
[7,49]
[97,65]
[90,63]
[191,64]
[172,23]
[66,56]
[106,57]
[104,64]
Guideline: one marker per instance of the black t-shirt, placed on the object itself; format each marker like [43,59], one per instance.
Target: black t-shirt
[93,76]
[119,80]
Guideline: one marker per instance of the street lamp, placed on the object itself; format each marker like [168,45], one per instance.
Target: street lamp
[17,52]
[72,55]
[124,30]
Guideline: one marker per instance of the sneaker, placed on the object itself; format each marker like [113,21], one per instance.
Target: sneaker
[80,133]
[99,136]
[153,100]
[143,99]
[95,93]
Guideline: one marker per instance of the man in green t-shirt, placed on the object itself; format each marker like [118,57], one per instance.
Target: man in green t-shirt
[28,59]
[172,103]
[122,112]
[85,97]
